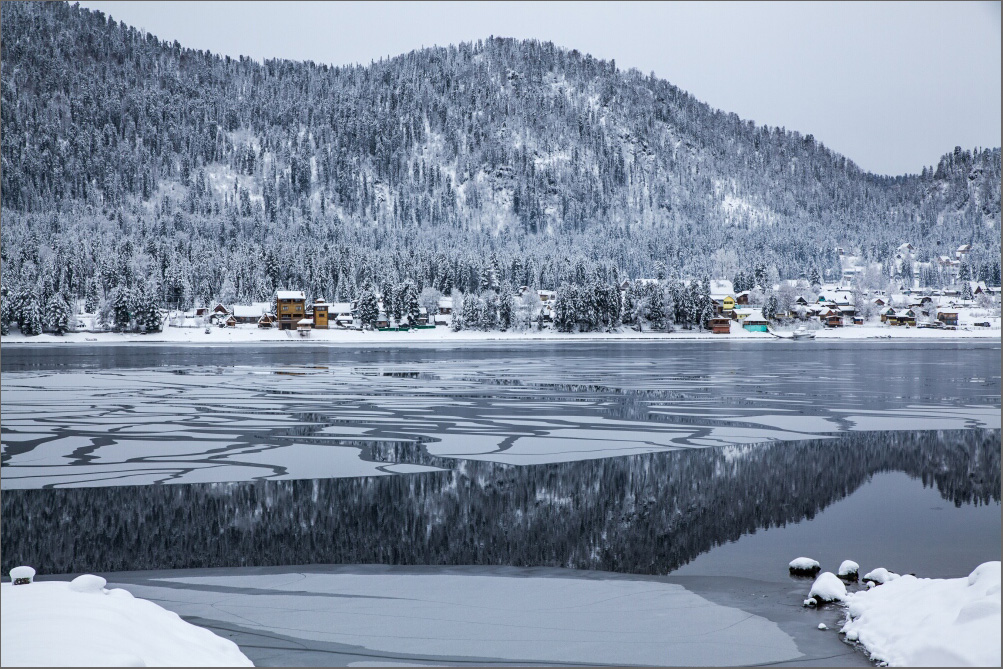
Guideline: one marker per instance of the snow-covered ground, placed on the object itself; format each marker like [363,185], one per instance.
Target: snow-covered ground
[911,621]
[251,334]
[82,623]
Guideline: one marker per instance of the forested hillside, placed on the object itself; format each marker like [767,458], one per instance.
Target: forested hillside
[132,162]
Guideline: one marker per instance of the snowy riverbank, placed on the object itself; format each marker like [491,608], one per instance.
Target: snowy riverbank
[250,334]
[913,621]
[82,623]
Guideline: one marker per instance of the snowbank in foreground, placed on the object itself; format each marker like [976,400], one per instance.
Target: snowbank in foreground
[56,623]
[913,621]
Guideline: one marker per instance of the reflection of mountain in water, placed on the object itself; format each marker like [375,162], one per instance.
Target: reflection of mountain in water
[642,514]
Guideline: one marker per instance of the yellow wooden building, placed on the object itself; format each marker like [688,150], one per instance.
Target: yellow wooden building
[290,308]
[321,313]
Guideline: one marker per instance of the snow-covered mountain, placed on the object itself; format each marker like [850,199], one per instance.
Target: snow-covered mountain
[125,157]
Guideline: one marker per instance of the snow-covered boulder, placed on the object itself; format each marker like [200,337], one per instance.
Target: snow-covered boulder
[827,588]
[22,575]
[88,583]
[913,621]
[55,623]
[880,576]
[848,570]
[804,566]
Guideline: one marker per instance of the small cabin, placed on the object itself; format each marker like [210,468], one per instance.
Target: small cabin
[231,322]
[948,317]
[756,322]
[833,320]
[720,325]
[904,317]
[266,321]
[247,313]
[303,326]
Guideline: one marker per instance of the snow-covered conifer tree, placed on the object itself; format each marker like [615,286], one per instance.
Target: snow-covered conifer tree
[57,314]
[368,305]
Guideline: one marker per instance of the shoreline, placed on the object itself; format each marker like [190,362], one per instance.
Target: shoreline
[254,336]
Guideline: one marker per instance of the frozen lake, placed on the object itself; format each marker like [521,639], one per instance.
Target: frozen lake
[138,415]
[704,466]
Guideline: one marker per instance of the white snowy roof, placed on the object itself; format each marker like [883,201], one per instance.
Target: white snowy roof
[719,289]
[290,294]
[340,307]
[305,321]
[247,311]
[755,315]
[445,303]
[838,296]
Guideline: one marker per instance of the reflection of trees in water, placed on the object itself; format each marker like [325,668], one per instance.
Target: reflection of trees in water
[643,514]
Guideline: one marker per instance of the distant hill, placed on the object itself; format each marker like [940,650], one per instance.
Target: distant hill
[125,158]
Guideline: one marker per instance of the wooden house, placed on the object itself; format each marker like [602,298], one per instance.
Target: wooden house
[266,321]
[902,317]
[247,313]
[445,306]
[948,317]
[547,297]
[720,325]
[742,298]
[321,314]
[888,315]
[290,308]
[833,320]
[230,321]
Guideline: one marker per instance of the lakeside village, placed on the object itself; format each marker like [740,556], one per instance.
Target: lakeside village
[832,307]
[798,307]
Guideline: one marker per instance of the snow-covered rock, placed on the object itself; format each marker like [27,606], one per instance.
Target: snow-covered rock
[913,621]
[88,583]
[804,565]
[880,576]
[21,574]
[827,588]
[848,570]
[55,623]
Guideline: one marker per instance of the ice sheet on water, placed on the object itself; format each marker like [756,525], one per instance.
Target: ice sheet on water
[512,617]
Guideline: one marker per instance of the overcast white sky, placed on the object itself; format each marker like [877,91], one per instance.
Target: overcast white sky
[893,86]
